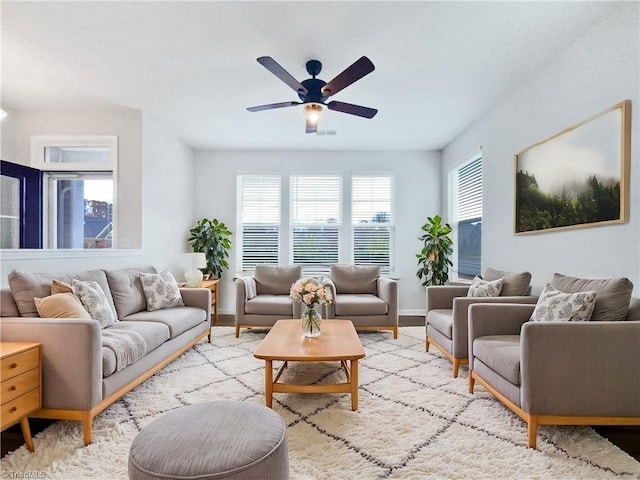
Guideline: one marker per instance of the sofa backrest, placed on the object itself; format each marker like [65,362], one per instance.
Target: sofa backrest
[276,279]
[8,307]
[126,290]
[355,278]
[633,314]
[25,286]
[515,283]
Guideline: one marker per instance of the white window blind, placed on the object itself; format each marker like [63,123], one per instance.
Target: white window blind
[259,219]
[315,221]
[371,213]
[469,218]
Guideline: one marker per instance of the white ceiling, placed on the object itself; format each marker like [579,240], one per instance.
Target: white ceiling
[439,65]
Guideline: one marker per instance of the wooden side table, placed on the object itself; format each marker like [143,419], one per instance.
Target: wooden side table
[21,391]
[213,286]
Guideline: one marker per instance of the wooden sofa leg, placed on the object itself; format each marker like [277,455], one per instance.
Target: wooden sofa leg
[426,344]
[532,430]
[456,366]
[472,382]
[237,331]
[209,336]
[395,333]
[86,427]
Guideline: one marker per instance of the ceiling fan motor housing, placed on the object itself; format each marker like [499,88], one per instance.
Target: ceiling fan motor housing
[314,91]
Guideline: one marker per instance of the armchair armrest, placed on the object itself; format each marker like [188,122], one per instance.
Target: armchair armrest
[441,296]
[388,291]
[71,358]
[495,319]
[460,316]
[197,297]
[581,368]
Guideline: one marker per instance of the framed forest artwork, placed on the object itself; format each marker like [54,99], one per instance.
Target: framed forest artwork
[578,177]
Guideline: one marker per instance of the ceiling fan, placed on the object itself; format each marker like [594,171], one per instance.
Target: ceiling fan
[314,92]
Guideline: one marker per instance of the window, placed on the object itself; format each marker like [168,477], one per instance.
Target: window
[79,189]
[316,206]
[259,220]
[468,217]
[372,220]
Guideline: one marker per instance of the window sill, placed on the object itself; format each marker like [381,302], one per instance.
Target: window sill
[48,254]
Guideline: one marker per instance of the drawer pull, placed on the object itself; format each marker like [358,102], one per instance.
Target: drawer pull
[12,388]
[13,365]
[13,409]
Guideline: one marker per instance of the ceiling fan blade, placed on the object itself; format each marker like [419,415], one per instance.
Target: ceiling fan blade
[352,109]
[361,67]
[271,106]
[275,68]
[312,127]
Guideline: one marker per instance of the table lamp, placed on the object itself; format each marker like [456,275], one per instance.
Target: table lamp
[193,276]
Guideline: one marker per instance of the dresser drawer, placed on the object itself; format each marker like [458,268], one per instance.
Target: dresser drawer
[13,411]
[19,363]
[16,386]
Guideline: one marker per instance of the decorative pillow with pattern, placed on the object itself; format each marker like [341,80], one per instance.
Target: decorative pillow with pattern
[94,301]
[485,288]
[556,306]
[161,290]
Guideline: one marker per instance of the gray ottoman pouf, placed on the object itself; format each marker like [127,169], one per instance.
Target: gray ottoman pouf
[223,439]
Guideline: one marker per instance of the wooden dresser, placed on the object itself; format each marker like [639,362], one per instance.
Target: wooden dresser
[21,378]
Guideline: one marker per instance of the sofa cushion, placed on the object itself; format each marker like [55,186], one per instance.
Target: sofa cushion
[121,348]
[355,278]
[612,295]
[515,283]
[501,353]
[556,306]
[276,279]
[94,301]
[358,304]
[178,319]
[485,288]
[126,289]
[61,305]
[269,305]
[161,290]
[442,320]
[25,286]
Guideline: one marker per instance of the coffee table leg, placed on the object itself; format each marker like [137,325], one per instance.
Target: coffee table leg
[354,385]
[268,382]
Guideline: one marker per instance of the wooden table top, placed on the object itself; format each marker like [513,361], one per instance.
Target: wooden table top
[285,341]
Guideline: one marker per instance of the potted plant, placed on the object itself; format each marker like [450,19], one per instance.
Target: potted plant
[212,238]
[433,260]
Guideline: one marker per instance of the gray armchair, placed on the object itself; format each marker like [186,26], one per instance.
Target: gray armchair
[447,310]
[364,297]
[263,299]
[557,373]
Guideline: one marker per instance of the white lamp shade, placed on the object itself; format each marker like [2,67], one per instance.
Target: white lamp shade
[198,260]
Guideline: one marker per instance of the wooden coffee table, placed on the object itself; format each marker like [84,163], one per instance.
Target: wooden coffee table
[339,342]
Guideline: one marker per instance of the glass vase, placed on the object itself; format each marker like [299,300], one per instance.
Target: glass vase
[311,321]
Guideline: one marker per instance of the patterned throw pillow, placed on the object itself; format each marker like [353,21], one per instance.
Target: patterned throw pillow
[161,290]
[484,288]
[556,306]
[94,301]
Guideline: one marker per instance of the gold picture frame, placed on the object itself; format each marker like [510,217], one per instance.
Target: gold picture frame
[576,178]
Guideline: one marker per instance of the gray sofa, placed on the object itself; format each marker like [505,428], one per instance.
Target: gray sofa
[81,376]
[561,372]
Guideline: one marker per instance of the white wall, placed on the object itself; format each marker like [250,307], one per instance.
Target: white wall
[598,71]
[156,191]
[417,177]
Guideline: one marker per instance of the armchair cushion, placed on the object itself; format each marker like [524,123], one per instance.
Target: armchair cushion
[355,278]
[276,279]
[501,353]
[359,304]
[441,320]
[515,283]
[485,288]
[270,305]
[556,306]
[613,296]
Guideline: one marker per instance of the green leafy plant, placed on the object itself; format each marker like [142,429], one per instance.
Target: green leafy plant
[212,238]
[433,260]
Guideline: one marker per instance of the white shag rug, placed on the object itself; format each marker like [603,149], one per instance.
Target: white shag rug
[414,421]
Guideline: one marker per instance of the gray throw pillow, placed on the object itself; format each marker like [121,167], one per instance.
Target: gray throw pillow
[515,283]
[94,301]
[556,306]
[161,290]
[613,294]
[485,288]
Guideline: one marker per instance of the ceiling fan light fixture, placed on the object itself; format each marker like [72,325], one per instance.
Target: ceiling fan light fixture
[312,112]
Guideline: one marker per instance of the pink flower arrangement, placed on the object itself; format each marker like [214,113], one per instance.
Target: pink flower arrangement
[308,291]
